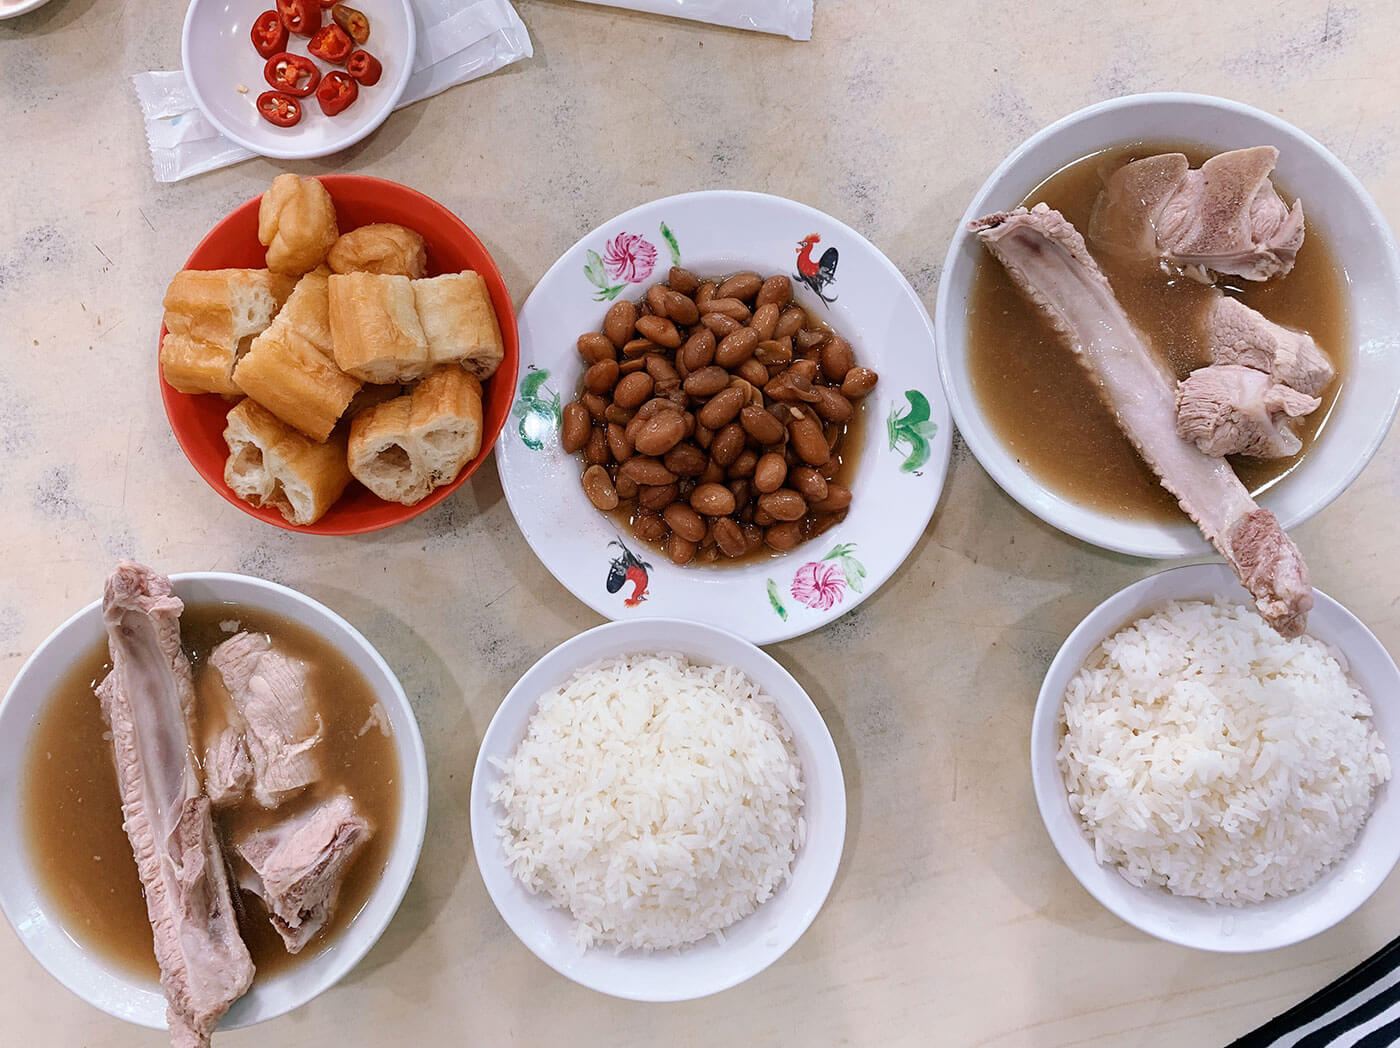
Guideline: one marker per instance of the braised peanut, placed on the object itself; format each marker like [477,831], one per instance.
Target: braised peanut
[684,521]
[770,472]
[706,382]
[633,389]
[660,330]
[742,286]
[721,408]
[699,349]
[745,464]
[783,536]
[808,440]
[595,346]
[760,424]
[656,497]
[836,358]
[783,504]
[775,291]
[808,482]
[838,497]
[596,452]
[660,434]
[790,322]
[727,445]
[858,382]
[712,500]
[618,444]
[620,322]
[649,527]
[627,488]
[729,538]
[736,348]
[720,324]
[686,460]
[728,307]
[575,427]
[646,470]
[680,308]
[601,377]
[598,486]
[754,373]
[680,550]
[682,280]
[765,320]
[832,406]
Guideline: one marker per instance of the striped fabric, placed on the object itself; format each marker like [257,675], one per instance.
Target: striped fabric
[1359,1010]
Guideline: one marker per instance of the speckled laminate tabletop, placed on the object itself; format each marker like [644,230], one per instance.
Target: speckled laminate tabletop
[952,920]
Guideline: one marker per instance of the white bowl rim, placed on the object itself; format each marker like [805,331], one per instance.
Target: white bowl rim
[1182,543]
[413,770]
[395,92]
[936,467]
[1076,851]
[483,822]
[21,8]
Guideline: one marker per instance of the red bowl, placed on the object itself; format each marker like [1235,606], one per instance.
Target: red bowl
[198,419]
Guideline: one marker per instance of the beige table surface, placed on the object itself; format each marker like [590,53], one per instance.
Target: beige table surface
[952,921]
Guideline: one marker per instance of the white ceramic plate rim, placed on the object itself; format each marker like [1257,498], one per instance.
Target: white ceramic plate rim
[1340,891]
[1132,537]
[24,7]
[814,869]
[386,97]
[900,532]
[141,1002]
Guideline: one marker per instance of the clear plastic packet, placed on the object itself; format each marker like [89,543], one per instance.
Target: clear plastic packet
[785,17]
[457,42]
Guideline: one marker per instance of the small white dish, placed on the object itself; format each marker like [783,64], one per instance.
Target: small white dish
[15,8]
[218,56]
[1194,922]
[138,1000]
[751,944]
[1334,201]
[906,435]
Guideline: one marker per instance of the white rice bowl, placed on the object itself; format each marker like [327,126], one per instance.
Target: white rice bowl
[1205,754]
[659,802]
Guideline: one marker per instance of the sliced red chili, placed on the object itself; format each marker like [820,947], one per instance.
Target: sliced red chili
[269,34]
[331,44]
[365,68]
[336,93]
[277,108]
[352,21]
[302,17]
[292,74]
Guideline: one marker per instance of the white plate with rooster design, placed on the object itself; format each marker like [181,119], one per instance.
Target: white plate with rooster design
[838,276]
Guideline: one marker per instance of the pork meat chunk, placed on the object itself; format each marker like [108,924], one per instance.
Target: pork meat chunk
[1237,334]
[228,770]
[1223,217]
[1229,409]
[297,867]
[147,701]
[1048,260]
[280,727]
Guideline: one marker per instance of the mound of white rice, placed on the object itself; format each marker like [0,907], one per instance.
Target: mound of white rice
[659,802]
[1206,754]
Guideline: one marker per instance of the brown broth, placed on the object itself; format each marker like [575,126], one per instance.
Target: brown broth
[71,806]
[1039,400]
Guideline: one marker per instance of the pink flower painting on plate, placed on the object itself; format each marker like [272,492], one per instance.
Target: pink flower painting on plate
[822,584]
[819,584]
[629,257]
